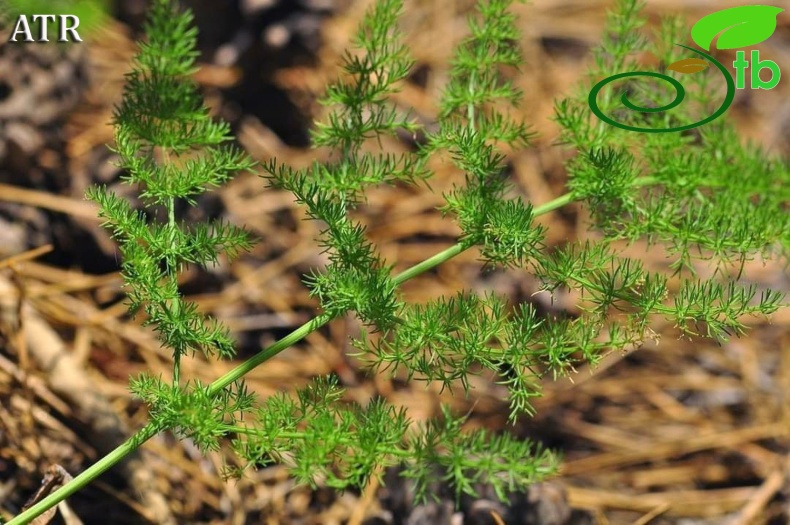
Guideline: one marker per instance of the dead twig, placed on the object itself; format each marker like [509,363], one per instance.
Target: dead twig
[68,380]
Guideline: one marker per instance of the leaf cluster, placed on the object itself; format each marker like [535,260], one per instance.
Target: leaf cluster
[700,202]
[700,193]
[326,441]
[473,125]
[170,147]
[357,279]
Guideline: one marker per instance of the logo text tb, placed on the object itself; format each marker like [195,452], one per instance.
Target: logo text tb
[741,64]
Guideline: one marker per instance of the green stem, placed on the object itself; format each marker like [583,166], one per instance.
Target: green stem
[392,451]
[150,430]
[269,352]
[171,273]
[88,475]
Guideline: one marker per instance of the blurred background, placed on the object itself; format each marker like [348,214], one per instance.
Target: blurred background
[675,432]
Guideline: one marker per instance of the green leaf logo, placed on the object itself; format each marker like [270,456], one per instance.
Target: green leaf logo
[741,26]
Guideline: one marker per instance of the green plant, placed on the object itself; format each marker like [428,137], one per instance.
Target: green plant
[711,198]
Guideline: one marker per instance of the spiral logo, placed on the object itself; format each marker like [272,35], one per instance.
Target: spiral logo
[734,27]
[680,94]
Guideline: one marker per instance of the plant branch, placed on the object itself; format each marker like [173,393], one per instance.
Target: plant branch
[149,431]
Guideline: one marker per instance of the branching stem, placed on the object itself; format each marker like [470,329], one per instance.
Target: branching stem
[150,430]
